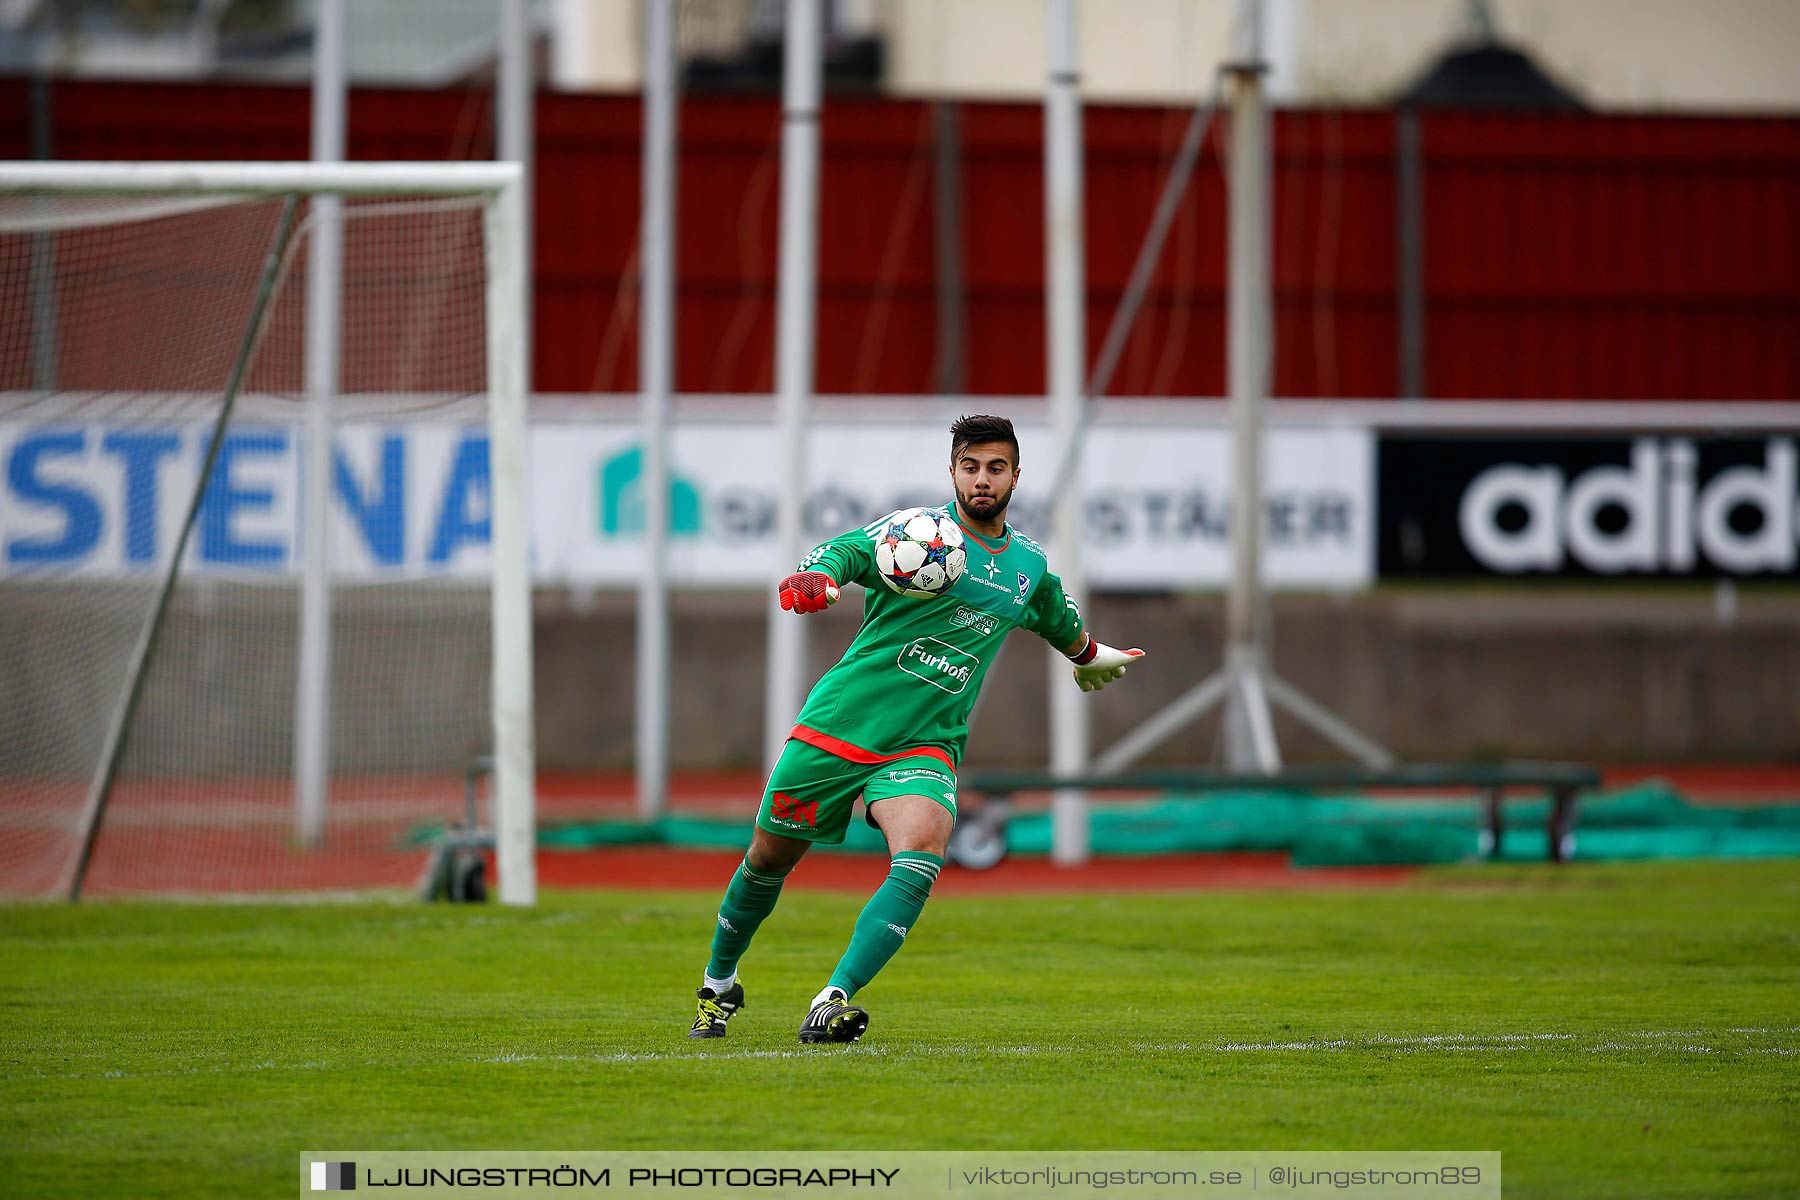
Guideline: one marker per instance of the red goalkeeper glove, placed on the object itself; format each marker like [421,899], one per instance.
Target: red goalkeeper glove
[808,591]
[1097,665]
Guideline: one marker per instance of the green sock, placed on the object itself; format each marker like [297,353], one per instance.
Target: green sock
[884,922]
[750,897]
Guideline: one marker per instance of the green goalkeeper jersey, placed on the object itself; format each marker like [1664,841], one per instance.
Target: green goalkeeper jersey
[911,676]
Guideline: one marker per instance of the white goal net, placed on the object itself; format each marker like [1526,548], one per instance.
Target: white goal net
[299,702]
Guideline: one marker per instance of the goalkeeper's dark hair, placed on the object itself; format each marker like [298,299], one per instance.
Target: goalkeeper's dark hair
[974,430]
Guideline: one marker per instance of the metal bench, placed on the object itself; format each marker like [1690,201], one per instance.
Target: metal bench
[1563,781]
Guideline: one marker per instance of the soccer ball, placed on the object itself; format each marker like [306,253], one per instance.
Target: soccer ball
[919,552]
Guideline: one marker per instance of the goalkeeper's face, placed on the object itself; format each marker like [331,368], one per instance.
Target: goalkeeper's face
[985,476]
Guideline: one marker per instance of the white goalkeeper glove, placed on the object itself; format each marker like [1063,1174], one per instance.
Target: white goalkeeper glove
[1097,665]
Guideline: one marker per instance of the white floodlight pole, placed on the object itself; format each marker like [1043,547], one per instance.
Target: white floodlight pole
[796,298]
[514,90]
[324,305]
[1067,376]
[656,367]
[515,753]
[1249,732]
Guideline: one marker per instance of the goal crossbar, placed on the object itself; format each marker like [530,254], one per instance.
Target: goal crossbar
[254,178]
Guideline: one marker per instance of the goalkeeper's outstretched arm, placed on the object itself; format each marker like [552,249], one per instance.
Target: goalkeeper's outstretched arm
[1054,616]
[818,580]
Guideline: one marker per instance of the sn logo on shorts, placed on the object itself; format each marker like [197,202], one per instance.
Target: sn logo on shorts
[784,807]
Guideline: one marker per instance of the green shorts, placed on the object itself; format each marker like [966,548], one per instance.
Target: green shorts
[811,792]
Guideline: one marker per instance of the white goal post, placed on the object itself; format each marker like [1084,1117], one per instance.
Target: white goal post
[498,189]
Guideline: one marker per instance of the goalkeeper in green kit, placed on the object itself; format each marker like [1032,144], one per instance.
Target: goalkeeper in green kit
[889,721]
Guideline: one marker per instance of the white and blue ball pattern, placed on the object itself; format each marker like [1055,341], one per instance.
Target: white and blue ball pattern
[920,552]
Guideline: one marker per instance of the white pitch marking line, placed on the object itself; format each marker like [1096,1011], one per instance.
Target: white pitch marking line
[1460,1041]
[1440,1041]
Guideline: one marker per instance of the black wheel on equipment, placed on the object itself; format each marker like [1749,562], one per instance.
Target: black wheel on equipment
[980,841]
[1562,827]
[468,878]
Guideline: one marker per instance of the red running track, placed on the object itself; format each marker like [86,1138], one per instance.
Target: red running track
[708,870]
[235,837]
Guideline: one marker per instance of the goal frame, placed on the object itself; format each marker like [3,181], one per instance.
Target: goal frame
[500,188]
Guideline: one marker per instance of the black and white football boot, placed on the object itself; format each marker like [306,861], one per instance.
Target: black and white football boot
[715,1011]
[833,1019]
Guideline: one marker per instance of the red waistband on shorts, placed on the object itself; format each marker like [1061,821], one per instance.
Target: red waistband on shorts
[856,754]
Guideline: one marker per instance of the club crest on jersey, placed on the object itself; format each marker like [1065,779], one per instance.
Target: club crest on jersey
[1024,583]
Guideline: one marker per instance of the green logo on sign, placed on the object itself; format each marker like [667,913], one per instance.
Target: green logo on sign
[622,498]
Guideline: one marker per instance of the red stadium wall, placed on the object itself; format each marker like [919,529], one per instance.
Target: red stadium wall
[1565,257]
[1601,257]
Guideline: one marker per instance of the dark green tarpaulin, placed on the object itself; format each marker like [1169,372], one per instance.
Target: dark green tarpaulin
[1648,821]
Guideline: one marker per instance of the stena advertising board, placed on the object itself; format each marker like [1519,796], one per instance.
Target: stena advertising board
[107,501]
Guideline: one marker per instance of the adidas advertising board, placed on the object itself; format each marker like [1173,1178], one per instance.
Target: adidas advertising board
[1662,506]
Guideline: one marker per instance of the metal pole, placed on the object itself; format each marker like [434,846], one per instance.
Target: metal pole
[118,735]
[656,366]
[802,65]
[1066,371]
[324,305]
[1409,238]
[1248,742]
[43,247]
[515,751]
[951,377]
[509,399]
[514,92]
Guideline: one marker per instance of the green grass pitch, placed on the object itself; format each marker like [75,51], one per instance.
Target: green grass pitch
[1617,1030]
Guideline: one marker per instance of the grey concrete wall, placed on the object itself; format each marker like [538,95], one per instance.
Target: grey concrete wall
[1451,674]
[1443,674]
